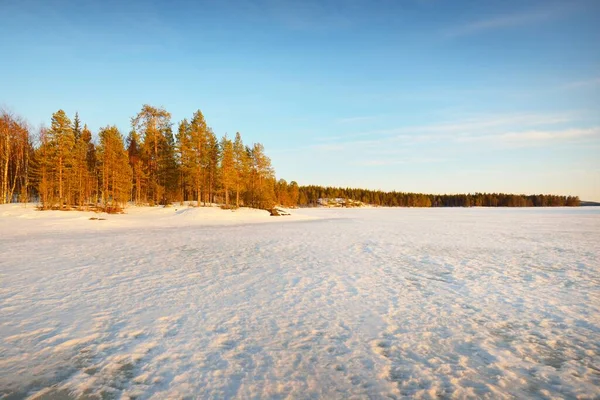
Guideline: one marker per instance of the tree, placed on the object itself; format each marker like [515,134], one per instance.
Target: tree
[242,166]
[198,154]
[184,158]
[135,162]
[213,155]
[92,184]
[76,126]
[228,172]
[168,170]
[262,178]
[281,192]
[42,170]
[61,142]
[115,171]
[294,194]
[80,169]
[15,149]
[64,168]
[151,123]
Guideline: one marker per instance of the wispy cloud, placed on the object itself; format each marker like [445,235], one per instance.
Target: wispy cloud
[353,120]
[537,137]
[465,126]
[515,130]
[489,122]
[345,145]
[523,18]
[582,84]
[412,160]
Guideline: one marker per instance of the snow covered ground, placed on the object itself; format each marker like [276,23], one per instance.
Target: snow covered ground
[326,303]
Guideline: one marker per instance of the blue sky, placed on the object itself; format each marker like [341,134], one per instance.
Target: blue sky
[430,96]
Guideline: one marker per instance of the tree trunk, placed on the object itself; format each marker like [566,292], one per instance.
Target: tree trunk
[197,192]
[5,178]
[60,183]
[14,183]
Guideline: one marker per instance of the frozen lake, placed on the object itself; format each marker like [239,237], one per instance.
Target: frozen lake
[378,303]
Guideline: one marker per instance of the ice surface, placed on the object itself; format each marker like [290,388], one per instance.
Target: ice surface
[326,303]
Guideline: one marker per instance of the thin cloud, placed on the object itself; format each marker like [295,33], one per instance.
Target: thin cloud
[537,137]
[477,124]
[544,136]
[466,126]
[352,120]
[413,160]
[502,22]
[345,145]
[582,84]
[515,130]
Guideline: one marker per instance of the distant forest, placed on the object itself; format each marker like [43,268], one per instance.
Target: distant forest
[310,195]
[63,167]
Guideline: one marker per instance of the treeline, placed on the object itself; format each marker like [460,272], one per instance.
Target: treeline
[62,167]
[310,195]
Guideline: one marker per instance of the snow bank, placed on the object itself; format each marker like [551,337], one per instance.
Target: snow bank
[340,303]
[26,219]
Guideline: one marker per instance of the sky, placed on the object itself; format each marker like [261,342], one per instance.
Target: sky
[431,96]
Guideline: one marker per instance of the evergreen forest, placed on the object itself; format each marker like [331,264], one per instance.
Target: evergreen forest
[65,166]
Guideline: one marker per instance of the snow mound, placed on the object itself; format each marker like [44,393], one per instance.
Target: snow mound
[26,219]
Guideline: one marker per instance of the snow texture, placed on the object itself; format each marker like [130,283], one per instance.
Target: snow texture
[325,303]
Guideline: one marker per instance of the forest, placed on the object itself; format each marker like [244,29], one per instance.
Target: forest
[64,167]
[309,196]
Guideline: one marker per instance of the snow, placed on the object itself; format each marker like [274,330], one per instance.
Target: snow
[325,303]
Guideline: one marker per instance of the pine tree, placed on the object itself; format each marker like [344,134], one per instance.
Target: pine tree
[92,184]
[242,166]
[80,169]
[61,142]
[152,123]
[81,173]
[262,178]
[135,162]
[213,155]
[43,171]
[184,155]
[115,171]
[281,192]
[198,154]
[168,168]
[294,194]
[76,127]
[228,172]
